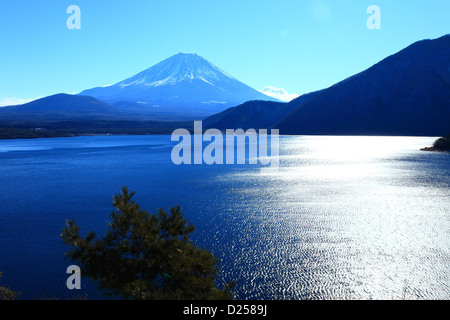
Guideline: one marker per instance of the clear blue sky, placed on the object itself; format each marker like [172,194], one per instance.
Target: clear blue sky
[299,45]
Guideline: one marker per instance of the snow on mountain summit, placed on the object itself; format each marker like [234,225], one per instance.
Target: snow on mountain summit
[182,83]
[178,68]
[279,93]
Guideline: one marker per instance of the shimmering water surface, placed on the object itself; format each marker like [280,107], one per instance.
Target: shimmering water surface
[343,218]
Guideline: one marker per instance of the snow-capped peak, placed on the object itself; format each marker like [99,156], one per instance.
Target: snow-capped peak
[279,93]
[185,83]
[178,68]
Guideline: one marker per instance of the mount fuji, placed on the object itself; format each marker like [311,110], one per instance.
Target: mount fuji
[184,86]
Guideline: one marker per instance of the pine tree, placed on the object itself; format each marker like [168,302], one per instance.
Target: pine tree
[146,256]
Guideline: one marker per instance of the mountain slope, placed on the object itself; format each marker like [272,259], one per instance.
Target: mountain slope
[61,107]
[251,114]
[407,93]
[255,114]
[184,84]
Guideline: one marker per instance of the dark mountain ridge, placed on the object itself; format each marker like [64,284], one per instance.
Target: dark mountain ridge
[407,93]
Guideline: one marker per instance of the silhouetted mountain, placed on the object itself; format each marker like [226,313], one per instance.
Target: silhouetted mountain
[407,93]
[60,107]
[184,85]
[254,114]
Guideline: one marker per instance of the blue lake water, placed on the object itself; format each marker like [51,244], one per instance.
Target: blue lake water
[343,218]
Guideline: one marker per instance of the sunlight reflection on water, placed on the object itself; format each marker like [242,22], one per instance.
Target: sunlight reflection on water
[343,218]
[346,218]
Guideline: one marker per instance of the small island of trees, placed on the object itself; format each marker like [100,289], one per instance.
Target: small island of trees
[441,144]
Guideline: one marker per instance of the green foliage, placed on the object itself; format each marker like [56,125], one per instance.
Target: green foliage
[146,256]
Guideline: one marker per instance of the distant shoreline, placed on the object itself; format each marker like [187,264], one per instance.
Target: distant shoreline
[432,149]
[50,136]
[74,128]
[26,134]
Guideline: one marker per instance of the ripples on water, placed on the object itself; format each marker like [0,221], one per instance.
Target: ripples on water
[344,218]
